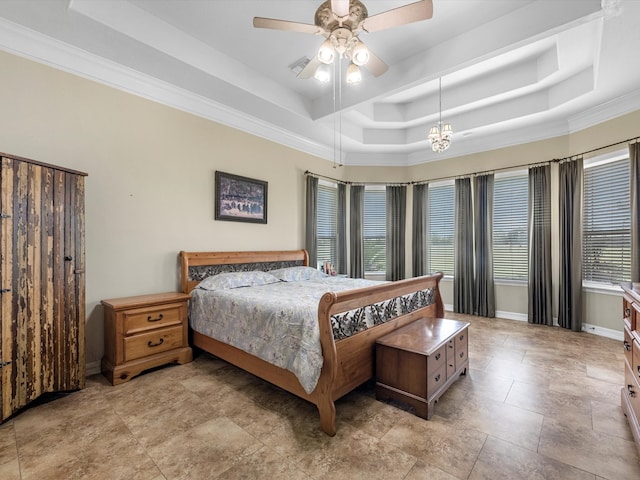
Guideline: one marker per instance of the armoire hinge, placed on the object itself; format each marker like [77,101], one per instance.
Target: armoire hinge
[4,364]
[5,290]
[5,215]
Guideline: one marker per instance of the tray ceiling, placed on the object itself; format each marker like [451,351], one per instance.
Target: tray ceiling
[512,71]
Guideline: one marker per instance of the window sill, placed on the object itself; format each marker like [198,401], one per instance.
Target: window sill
[512,283]
[601,288]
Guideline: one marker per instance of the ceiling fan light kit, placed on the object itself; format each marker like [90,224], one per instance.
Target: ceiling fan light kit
[326,52]
[323,73]
[353,74]
[340,22]
[360,54]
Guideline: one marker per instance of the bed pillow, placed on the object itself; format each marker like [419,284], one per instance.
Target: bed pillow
[224,281]
[293,274]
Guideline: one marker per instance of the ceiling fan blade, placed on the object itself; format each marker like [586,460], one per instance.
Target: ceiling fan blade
[310,69]
[376,66]
[260,22]
[414,12]
[340,7]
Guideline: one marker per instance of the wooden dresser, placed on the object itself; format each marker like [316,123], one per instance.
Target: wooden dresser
[144,332]
[631,389]
[417,363]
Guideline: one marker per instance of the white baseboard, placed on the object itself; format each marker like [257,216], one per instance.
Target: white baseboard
[603,332]
[588,328]
[93,368]
[520,317]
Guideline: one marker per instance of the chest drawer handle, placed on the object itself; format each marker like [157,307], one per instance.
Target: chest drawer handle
[157,319]
[438,357]
[627,346]
[462,337]
[437,377]
[631,392]
[627,312]
[151,344]
[461,354]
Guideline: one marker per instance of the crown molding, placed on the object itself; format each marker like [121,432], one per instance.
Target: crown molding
[26,43]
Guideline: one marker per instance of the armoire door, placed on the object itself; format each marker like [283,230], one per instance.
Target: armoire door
[42,311]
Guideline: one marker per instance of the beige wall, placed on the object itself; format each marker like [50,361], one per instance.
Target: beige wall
[149,193]
[149,190]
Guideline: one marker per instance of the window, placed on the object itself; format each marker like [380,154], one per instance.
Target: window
[441,227]
[510,231]
[375,229]
[606,241]
[327,212]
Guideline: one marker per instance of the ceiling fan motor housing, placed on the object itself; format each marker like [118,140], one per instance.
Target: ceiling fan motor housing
[329,21]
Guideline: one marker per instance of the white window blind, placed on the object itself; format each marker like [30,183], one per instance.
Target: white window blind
[375,230]
[441,228]
[606,247]
[327,212]
[510,226]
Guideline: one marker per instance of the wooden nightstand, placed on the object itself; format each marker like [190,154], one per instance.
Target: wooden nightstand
[144,332]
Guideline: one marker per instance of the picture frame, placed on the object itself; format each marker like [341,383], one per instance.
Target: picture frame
[240,199]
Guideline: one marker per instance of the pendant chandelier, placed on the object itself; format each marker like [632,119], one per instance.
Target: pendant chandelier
[440,135]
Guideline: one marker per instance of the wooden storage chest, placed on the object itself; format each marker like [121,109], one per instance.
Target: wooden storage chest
[417,363]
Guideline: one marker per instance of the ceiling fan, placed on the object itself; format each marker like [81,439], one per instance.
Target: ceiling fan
[341,22]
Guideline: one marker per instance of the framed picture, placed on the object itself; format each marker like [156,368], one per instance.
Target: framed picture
[240,199]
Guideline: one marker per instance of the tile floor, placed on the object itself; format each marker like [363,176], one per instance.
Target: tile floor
[538,403]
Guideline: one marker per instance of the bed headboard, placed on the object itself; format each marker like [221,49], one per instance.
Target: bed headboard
[196,266]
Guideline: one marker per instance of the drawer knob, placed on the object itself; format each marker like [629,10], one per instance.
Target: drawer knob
[627,312]
[157,319]
[627,346]
[461,354]
[631,392]
[151,344]
[438,357]
[462,337]
[437,377]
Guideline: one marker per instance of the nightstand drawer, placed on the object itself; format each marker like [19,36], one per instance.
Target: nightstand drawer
[141,319]
[156,341]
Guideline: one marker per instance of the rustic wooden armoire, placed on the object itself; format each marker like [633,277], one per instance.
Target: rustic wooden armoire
[42,314]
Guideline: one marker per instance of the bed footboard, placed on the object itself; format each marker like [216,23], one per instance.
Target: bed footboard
[350,362]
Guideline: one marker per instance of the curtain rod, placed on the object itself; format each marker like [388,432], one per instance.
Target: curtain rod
[537,164]
[486,172]
[317,175]
[391,184]
[511,167]
[629,140]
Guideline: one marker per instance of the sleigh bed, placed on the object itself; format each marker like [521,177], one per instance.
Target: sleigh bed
[344,317]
